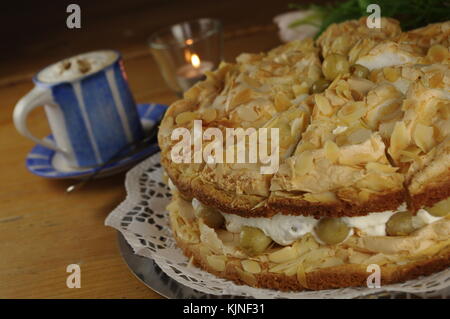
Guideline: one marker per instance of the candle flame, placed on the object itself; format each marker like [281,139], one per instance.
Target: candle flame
[195,60]
[189,41]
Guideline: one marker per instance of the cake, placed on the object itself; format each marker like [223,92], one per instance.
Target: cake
[362,168]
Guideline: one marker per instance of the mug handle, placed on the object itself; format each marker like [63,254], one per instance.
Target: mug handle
[36,97]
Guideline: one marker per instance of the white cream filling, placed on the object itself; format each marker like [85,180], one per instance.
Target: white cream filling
[285,229]
[423,218]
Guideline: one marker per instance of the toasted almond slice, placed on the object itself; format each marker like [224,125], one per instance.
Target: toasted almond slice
[283,255]
[241,97]
[437,53]
[291,271]
[356,257]
[379,259]
[285,134]
[192,93]
[304,146]
[314,73]
[385,129]
[314,255]
[331,151]
[436,81]
[305,244]
[331,262]
[341,140]
[250,80]
[381,168]
[359,136]
[413,149]
[281,102]
[323,104]
[209,115]
[342,44]
[375,182]
[304,163]
[408,157]
[352,112]
[216,262]
[300,89]
[352,159]
[212,76]
[423,137]
[185,117]
[444,110]
[246,277]
[360,85]
[374,75]
[251,266]
[400,139]
[297,125]
[301,276]
[325,197]
[169,121]
[365,195]
[204,251]
[282,267]
[391,74]
[247,113]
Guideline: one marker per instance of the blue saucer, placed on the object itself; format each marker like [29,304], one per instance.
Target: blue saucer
[44,162]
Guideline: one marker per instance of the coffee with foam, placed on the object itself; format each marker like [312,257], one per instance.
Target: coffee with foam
[78,66]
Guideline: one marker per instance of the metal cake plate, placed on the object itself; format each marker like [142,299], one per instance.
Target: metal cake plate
[149,273]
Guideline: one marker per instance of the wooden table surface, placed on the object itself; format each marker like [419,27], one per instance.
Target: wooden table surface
[43,229]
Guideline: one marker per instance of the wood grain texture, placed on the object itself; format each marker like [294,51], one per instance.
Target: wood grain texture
[42,229]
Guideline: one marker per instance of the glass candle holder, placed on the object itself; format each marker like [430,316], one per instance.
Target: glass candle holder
[185,51]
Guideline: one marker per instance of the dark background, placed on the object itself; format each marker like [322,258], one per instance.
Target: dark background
[36,30]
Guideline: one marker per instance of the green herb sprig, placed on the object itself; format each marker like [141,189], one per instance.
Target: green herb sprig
[411,13]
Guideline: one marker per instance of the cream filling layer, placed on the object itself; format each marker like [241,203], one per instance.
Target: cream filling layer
[285,229]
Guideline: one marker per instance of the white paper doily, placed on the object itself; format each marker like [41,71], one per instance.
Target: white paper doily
[143,220]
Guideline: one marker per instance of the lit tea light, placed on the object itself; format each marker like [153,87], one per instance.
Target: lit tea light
[195,60]
[194,71]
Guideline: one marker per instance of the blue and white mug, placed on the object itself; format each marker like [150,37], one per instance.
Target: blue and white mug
[89,107]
